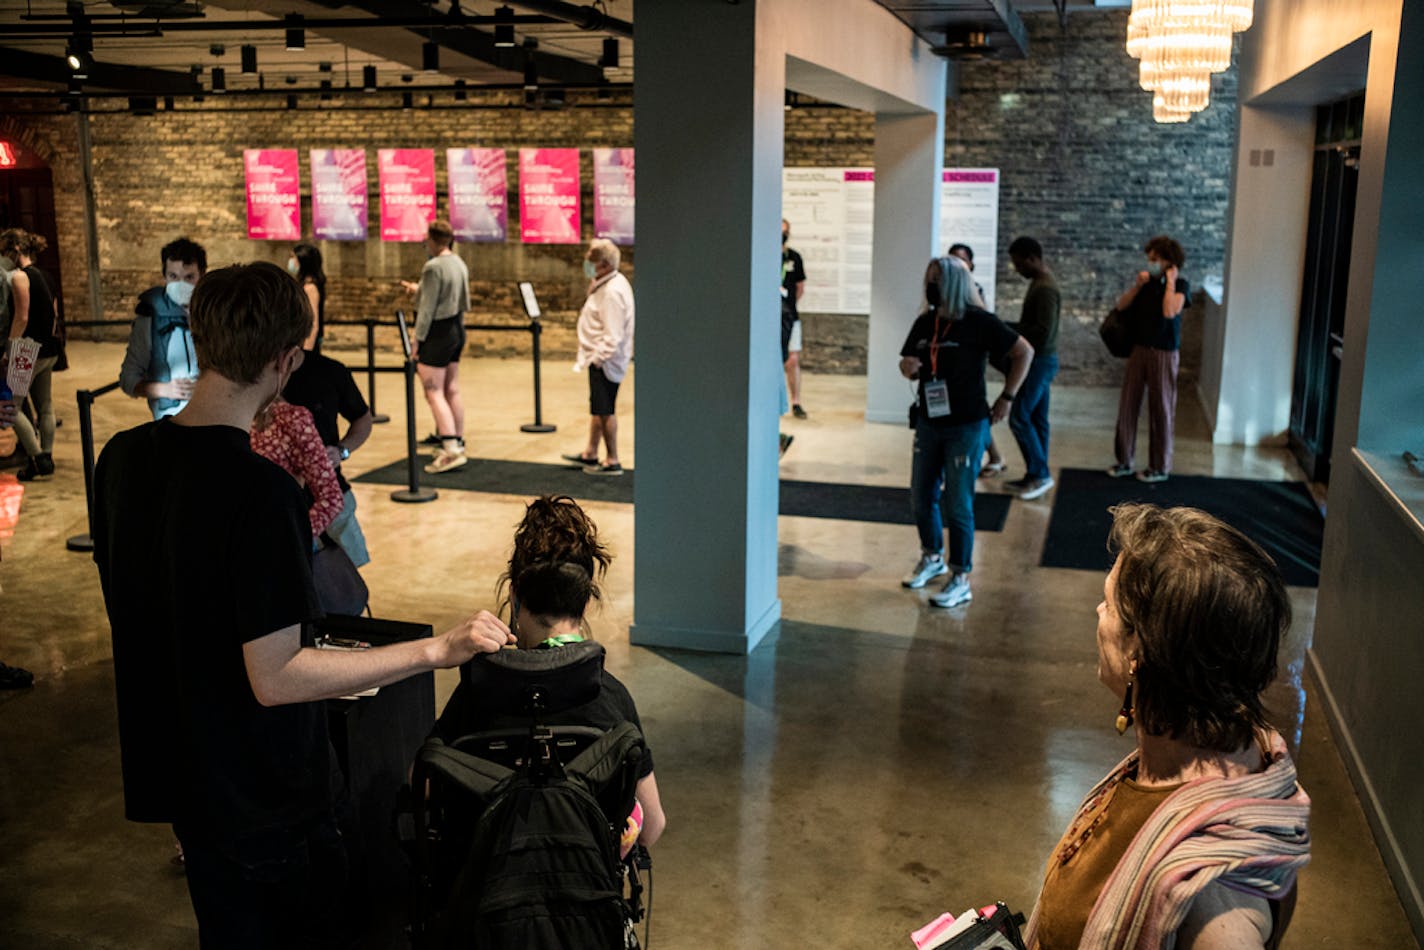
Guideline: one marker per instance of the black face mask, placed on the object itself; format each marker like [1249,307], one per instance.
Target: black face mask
[932,296]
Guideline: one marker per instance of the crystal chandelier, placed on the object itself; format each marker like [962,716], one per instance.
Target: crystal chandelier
[1179,44]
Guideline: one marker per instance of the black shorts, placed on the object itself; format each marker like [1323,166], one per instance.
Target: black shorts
[602,393]
[443,344]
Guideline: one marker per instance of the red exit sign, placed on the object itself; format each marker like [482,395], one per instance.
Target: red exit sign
[8,158]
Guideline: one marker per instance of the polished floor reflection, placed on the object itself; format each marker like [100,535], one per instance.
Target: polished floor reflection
[874,763]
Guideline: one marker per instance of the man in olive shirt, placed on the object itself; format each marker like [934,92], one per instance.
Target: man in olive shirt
[1039,325]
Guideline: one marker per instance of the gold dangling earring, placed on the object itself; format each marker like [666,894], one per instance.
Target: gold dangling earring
[1124,715]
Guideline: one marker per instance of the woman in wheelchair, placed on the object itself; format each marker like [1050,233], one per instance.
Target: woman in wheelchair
[554,571]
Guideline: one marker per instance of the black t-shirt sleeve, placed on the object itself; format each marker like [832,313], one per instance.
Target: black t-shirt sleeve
[350,403]
[1185,289]
[798,269]
[616,695]
[993,335]
[270,558]
[919,332]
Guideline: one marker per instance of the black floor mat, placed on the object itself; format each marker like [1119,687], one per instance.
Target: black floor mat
[873,503]
[1279,516]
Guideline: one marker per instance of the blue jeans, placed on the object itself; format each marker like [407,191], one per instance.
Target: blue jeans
[1028,419]
[946,461]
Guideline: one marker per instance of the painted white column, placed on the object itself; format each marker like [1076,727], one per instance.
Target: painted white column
[708,130]
[909,154]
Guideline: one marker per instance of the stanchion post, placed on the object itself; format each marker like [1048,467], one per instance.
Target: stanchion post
[85,541]
[371,372]
[538,425]
[413,493]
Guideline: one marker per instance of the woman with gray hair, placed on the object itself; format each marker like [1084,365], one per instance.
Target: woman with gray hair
[605,346]
[945,353]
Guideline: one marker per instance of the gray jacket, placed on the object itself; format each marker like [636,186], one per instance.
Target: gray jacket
[160,349]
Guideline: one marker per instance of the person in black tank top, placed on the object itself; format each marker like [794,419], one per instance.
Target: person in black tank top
[35,318]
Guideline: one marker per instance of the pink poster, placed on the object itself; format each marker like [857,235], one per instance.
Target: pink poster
[274,210]
[407,192]
[338,192]
[549,195]
[613,194]
[479,205]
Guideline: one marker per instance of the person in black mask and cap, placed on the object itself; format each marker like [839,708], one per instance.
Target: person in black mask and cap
[946,352]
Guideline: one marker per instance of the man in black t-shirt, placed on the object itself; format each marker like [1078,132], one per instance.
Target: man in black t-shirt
[327,388]
[793,285]
[203,549]
[946,351]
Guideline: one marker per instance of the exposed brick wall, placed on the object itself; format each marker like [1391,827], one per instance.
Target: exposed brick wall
[1085,170]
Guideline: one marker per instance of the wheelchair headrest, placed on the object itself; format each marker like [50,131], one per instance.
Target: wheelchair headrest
[564,677]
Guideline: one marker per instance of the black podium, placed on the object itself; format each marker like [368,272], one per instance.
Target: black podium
[376,739]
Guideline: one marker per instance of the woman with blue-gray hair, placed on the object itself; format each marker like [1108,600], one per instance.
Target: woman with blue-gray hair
[946,352]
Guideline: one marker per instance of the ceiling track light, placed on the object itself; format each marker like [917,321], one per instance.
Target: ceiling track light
[326,90]
[291,101]
[249,59]
[296,32]
[219,79]
[407,101]
[531,68]
[167,103]
[610,57]
[460,94]
[504,27]
[430,56]
[79,62]
[368,79]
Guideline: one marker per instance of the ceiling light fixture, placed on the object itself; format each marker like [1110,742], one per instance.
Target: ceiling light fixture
[326,90]
[368,79]
[504,27]
[79,63]
[460,94]
[407,101]
[219,79]
[609,60]
[296,32]
[531,68]
[291,101]
[249,59]
[430,56]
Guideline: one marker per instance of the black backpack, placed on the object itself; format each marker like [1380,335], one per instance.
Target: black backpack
[526,856]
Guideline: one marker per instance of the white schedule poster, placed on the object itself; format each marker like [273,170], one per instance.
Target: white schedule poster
[832,210]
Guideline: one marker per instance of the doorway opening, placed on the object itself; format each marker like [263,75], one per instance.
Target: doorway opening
[1319,344]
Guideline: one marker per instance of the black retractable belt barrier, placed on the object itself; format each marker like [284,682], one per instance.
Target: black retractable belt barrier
[86,397]
[376,417]
[413,493]
[534,329]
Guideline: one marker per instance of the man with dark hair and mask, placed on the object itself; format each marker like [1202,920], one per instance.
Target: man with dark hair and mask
[204,554]
[159,364]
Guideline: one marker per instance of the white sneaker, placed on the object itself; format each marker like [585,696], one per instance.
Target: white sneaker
[926,569]
[446,462]
[955,592]
[1035,488]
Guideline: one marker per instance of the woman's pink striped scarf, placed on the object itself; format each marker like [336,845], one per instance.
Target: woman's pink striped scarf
[1251,834]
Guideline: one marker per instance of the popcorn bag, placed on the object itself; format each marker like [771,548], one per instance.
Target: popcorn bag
[24,353]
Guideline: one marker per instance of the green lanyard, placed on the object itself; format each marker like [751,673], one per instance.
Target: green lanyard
[562,639]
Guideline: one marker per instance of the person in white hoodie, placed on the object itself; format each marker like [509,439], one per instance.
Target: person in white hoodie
[605,337]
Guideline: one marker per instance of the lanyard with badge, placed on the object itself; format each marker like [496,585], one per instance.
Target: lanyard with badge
[936,390]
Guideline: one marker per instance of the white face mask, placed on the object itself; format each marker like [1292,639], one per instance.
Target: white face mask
[292,267]
[590,270]
[180,292]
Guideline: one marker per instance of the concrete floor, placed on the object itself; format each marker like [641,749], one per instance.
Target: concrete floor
[874,763]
